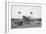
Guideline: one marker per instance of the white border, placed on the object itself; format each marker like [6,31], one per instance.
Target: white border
[25,29]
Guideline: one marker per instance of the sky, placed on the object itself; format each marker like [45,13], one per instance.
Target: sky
[25,11]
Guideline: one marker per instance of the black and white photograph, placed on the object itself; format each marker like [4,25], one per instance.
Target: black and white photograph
[23,16]
[26,16]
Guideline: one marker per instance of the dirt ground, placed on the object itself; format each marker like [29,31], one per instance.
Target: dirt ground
[30,25]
